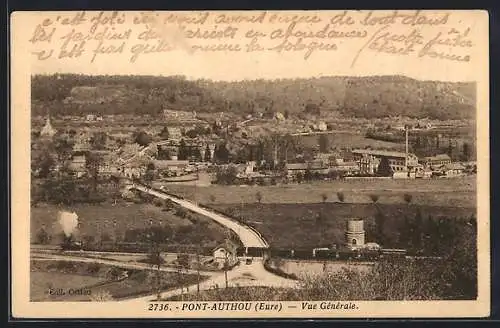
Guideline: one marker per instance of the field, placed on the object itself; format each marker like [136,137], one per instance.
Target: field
[354,140]
[41,282]
[299,225]
[96,279]
[460,192]
[99,221]
[301,268]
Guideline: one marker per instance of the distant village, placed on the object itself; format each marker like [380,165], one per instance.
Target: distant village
[175,156]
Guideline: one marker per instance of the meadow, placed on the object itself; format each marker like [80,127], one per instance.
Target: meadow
[339,139]
[300,226]
[97,278]
[108,221]
[459,192]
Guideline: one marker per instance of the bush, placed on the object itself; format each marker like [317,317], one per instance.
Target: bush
[42,237]
[93,268]
[407,198]
[158,202]
[374,198]
[181,212]
[113,273]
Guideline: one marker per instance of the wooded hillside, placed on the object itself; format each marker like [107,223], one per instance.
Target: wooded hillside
[369,97]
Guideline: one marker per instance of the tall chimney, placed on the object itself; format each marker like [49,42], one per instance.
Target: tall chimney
[406,148]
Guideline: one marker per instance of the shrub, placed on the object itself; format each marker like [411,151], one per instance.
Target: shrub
[93,268]
[407,198]
[374,198]
[181,212]
[101,296]
[340,196]
[258,196]
[42,237]
[113,273]
[158,202]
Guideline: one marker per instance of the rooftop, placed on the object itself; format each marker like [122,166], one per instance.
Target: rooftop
[386,153]
[296,166]
[440,157]
[168,163]
[228,245]
[454,166]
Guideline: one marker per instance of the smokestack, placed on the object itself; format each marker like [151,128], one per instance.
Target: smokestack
[406,147]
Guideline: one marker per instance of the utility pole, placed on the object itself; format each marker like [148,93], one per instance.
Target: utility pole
[275,151]
[225,268]
[198,271]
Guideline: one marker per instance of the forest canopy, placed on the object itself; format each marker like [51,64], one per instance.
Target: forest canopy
[367,97]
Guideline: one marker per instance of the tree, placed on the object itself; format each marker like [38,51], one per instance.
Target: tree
[380,226]
[64,149]
[195,154]
[93,164]
[42,237]
[324,143]
[163,153]
[407,198]
[450,148]
[374,198]
[98,140]
[384,169]
[207,156]
[212,198]
[312,108]
[164,134]
[150,172]
[324,197]
[43,163]
[183,151]
[142,138]
[466,151]
[308,175]
[258,196]
[226,175]
[340,196]
[221,153]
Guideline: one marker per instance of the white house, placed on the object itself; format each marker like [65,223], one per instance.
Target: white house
[226,254]
[453,169]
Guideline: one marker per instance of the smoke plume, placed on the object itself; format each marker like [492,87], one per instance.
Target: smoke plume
[68,221]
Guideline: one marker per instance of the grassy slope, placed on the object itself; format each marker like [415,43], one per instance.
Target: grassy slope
[296,225]
[127,215]
[449,192]
[73,275]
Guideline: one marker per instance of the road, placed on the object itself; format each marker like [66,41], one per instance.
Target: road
[242,275]
[125,265]
[248,236]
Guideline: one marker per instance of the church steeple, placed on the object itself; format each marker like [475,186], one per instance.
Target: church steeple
[48,130]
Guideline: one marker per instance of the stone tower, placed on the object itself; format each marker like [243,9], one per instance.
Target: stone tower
[355,233]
